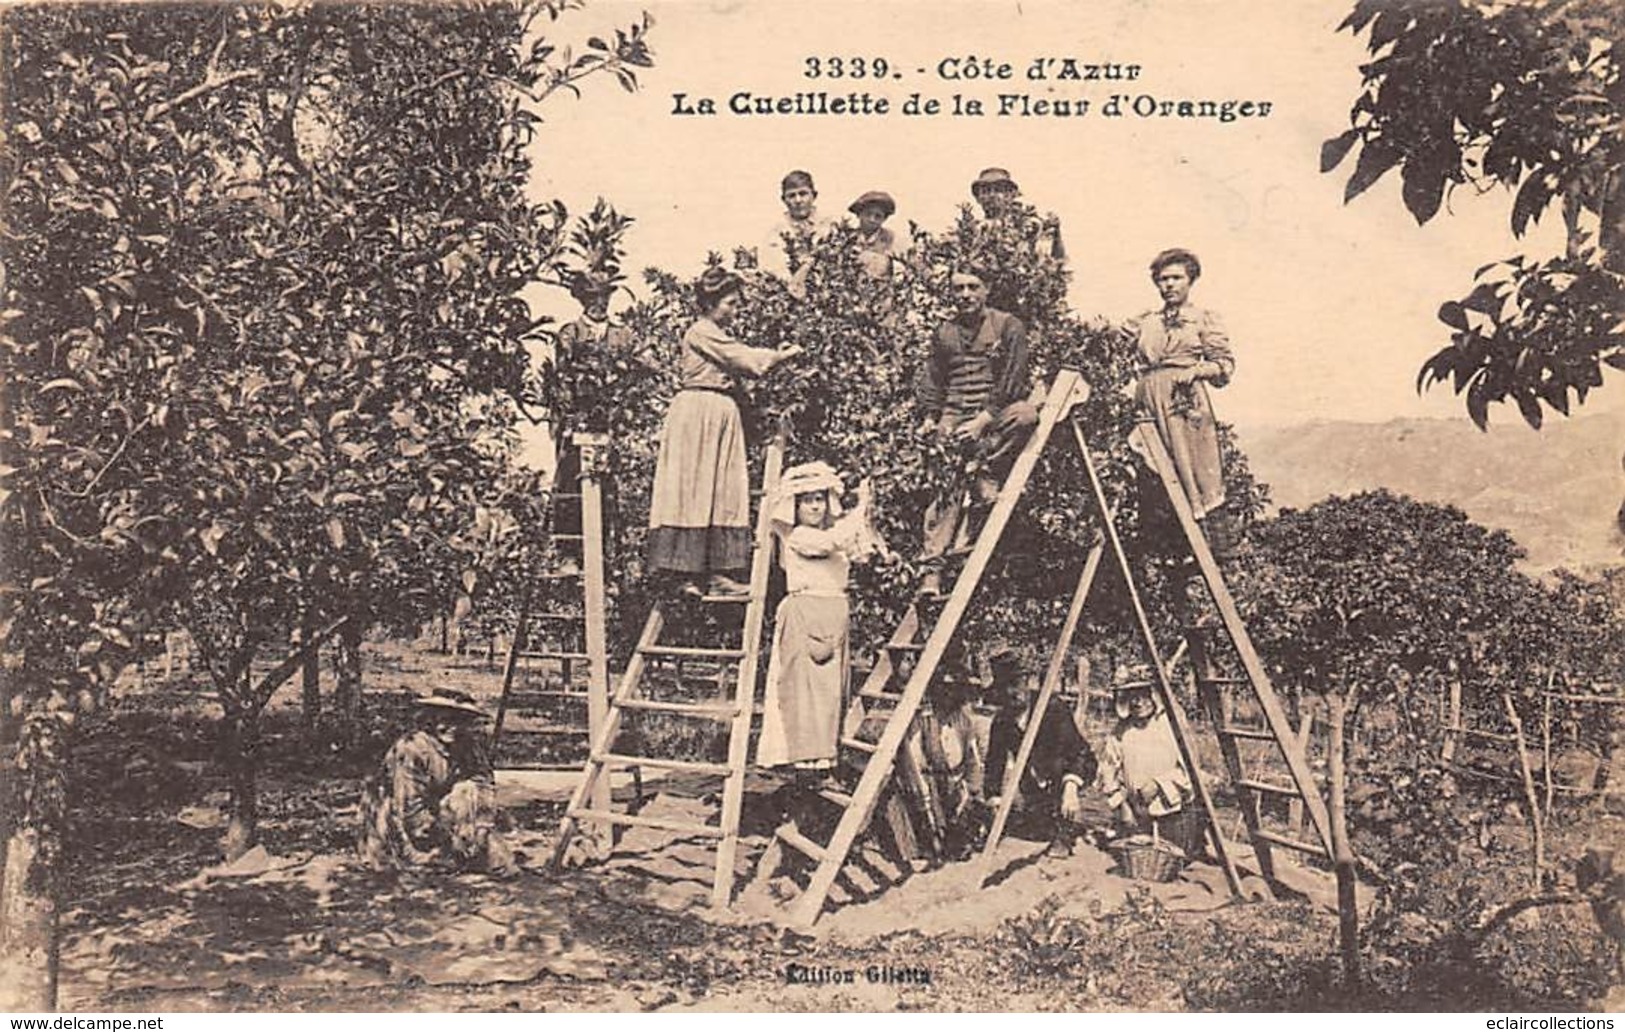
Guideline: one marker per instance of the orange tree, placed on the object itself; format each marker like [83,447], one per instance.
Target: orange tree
[850,401]
[261,343]
[1528,97]
[1378,605]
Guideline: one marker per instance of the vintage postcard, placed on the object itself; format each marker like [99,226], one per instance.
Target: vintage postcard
[741,505]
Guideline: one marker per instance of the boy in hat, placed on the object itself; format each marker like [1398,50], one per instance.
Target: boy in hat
[996,193]
[434,800]
[1061,765]
[876,243]
[786,253]
[1143,775]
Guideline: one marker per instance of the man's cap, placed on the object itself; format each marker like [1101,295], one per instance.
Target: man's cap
[879,197]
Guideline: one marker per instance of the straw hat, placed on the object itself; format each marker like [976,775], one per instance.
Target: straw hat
[991,177]
[1133,679]
[804,479]
[447,702]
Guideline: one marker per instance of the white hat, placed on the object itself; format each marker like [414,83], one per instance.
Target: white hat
[807,478]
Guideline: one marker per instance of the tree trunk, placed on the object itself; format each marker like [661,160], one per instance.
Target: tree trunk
[1348,916]
[240,732]
[347,697]
[32,817]
[445,634]
[311,677]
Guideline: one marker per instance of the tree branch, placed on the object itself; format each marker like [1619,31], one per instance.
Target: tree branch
[208,85]
[284,670]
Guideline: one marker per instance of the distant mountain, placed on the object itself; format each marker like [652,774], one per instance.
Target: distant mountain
[1556,490]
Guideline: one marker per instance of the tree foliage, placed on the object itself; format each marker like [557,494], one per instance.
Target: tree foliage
[263,340]
[1527,97]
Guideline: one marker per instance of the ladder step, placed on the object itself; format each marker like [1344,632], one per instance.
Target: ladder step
[572,656]
[801,843]
[1223,680]
[1265,786]
[882,696]
[719,710]
[560,575]
[684,652]
[860,746]
[567,496]
[1258,734]
[836,796]
[640,821]
[570,617]
[568,538]
[688,766]
[904,646]
[512,725]
[727,600]
[1290,843]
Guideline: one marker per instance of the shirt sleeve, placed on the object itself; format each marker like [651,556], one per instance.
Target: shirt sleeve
[1216,348]
[930,390]
[1111,773]
[1010,379]
[724,351]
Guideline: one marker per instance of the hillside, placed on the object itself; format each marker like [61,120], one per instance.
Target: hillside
[1557,490]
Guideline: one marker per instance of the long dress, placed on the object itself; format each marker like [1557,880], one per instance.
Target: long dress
[1170,341]
[699,516]
[808,668]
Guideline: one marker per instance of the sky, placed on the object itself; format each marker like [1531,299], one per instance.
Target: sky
[1331,308]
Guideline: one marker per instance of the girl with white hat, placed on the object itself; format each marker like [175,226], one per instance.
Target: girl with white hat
[1142,774]
[807,672]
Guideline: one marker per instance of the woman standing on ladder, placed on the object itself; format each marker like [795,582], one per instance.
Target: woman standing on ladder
[1184,349]
[699,517]
[808,666]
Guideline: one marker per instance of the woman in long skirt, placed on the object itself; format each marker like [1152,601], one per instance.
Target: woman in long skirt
[699,518]
[1185,350]
[808,669]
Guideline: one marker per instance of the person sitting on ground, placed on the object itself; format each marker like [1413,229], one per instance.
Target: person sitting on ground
[973,387]
[876,244]
[1061,764]
[1143,775]
[434,799]
[808,668]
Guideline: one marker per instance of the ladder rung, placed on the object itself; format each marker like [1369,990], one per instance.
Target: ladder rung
[719,710]
[572,617]
[571,656]
[684,652]
[526,699]
[836,796]
[860,746]
[882,696]
[640,821]
[1256,733]
[560,575]
[728,600]
[1265,786]
[905,646]
[566,537]
[1290,843]
[801,843]
[690,766]
[567,496]
[511,728]
[1223,680]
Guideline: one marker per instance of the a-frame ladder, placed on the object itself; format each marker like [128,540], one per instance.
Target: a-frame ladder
[737,713]
[558,634]
[1067,390]
[1277,731]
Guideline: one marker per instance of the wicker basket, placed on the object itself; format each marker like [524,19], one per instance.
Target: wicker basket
[1148,858]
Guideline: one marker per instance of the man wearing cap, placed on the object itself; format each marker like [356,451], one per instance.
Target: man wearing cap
[876,243]
[434,801]
[1061,765]
[786,254]
[997,194]
[973,387]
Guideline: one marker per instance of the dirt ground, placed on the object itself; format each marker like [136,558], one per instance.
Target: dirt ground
[152,921]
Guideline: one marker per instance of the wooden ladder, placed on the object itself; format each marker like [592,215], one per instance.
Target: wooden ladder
[1239,742]
[629,697]
[877,759]
[558,633]
[1214,689]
